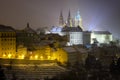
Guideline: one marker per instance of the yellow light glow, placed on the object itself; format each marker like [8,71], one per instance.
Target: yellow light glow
[41,57]
[9,55]
[4,55]
[48,57]
[30,52]
[36,56]
[22,56]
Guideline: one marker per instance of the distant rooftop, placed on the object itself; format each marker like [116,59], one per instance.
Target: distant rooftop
[4,28]
[72,29]
[101,32]
[69,49]
[28,29]
[98,32]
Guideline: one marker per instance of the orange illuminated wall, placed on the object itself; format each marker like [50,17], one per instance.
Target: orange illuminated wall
[7,44]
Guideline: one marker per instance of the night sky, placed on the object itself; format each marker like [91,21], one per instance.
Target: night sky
[96,14]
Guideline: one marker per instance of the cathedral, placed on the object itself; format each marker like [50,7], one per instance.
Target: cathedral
[71,22]
[74,29]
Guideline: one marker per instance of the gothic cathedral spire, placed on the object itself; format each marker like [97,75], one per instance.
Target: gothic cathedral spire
[61,20]
[69,20]
[28,25]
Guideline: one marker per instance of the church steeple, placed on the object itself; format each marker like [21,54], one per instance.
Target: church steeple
[61,20]
[69,20]
[69,15]
[28,25]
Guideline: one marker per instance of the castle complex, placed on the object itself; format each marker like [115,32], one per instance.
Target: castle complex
[74,29]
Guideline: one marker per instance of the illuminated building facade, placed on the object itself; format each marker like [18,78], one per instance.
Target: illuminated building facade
[101,37]
[75,35]
[21,52]
[7,42]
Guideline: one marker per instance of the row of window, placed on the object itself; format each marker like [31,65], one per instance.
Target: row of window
[8,48]
[8,39]
[6,53]
[3,44]
[7,34]
[30,34]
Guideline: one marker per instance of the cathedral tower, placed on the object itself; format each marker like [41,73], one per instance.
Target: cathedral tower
[61,20]
[69,20]
[78,20]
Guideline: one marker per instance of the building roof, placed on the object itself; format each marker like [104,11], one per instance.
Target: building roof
[81,50]
[4,28]
[72,29]
[28,29]
[69,49]
[101,32]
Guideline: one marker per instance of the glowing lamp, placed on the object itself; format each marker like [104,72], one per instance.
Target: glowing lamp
[4,55]
[41,57]
[22,56]
[9,55]
[48,57]
[36,57]
[31,57]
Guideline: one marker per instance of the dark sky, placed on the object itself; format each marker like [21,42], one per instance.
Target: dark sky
[96,14]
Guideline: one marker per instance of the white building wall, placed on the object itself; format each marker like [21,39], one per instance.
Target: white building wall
[101,38]
[75,38]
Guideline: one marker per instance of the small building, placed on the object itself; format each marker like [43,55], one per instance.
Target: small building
[27,36]
[72,54]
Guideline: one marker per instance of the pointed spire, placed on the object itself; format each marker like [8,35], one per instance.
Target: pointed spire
[61,20]
[28,25]
[78,15]
[69,20]
[78,19]
[69,15]
[61,15]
